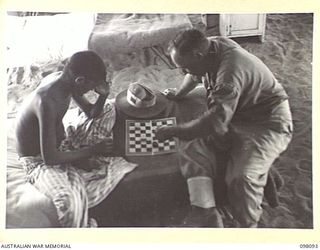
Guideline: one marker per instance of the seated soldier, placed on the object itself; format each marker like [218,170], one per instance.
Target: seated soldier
[248,116]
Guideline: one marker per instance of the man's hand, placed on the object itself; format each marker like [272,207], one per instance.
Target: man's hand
[170,93]
[163,133]
[105,147]
[102,89]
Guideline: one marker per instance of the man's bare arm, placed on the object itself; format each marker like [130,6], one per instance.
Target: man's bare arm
[47,115]
[188,84]
[91,110]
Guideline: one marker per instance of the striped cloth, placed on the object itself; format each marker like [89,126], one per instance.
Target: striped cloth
[74,190]
[105,172]
[64,186]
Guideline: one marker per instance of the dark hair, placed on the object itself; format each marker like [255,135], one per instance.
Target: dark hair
[86,63]
[187,41]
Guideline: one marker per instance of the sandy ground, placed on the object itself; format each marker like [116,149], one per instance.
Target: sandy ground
[287,50]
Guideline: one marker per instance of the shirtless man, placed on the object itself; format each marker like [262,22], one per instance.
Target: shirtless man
[39,132]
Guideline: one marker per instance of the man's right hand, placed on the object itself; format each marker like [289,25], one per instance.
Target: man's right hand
[103,89]
[165,132]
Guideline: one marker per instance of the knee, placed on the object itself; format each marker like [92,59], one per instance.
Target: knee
[246,178]
[246,187]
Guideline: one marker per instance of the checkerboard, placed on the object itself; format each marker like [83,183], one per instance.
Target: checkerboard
[140,137]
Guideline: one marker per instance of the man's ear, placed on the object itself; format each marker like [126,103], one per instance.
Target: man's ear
[80,80]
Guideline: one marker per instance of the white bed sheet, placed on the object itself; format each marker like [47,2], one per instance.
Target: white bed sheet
[42,39]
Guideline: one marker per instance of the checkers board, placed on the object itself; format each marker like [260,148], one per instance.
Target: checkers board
[140,137]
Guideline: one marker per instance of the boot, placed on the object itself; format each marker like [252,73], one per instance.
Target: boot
[203,217]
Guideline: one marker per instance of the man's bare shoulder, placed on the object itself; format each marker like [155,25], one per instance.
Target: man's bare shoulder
[31,108]
[39,100]
[49,79]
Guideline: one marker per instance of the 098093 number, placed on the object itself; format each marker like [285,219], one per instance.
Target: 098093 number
[308,245]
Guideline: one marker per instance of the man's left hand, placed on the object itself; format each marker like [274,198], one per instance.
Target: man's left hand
[170,93]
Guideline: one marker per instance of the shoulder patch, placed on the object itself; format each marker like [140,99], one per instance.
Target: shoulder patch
[225,90]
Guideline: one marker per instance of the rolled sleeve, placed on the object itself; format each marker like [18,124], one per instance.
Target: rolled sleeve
[222,103]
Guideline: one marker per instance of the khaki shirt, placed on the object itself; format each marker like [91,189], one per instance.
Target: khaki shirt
[240,88]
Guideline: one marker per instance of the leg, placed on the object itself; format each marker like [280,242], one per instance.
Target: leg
[253,152]
[198,167]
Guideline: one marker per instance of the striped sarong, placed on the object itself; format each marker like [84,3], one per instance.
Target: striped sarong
[63,185]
